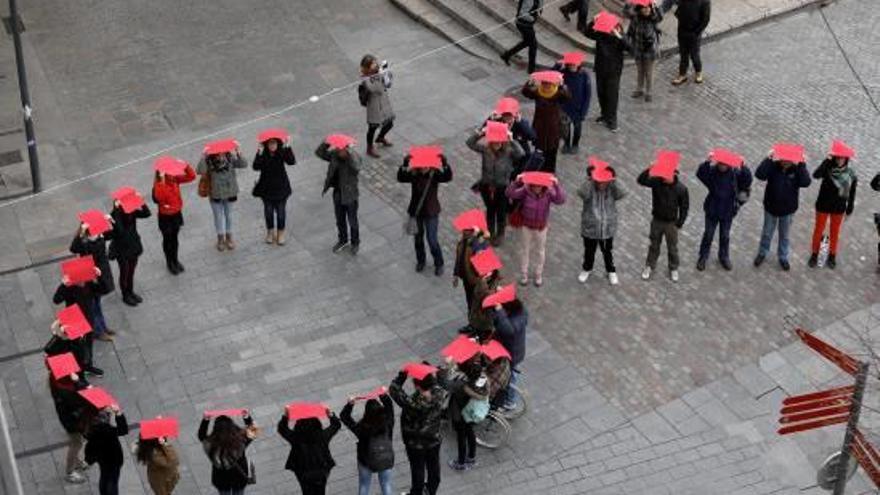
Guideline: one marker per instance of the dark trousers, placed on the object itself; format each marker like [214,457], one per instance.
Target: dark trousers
[169,226]
[496,209]
[99,325]
[607,247]
[608,92]
[689,50]
[87,353]
[108,483]
[427,226]
[468,294]
[573,136]
[467,441]
[371,131]
[346,218]
[126,274]
[713,223]
[422,461]
[659,230]
[527,31]
[275,209]
[314,483]
[581,7]
[549,160]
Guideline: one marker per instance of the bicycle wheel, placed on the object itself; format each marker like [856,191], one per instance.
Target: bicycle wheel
[492,432]
[520,406]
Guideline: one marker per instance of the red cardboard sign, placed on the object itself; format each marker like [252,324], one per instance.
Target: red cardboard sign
[418,371]
[486,262]
[425,157]
[79,270]
[605,22]
[170,166]
[275,133]
[220,147]
[73,322]
[305,410]
[839,148]
[374,394]
[160,428]
[543,179]
[603,175]
[62,365]
[497,132]
[507,105]
[665,164]
[548,77]
[96,221]
[232,413]
[573,58]
[97,397]
[788,152]
[123,192]
[494,350]
[461,349]
[727,157]
[339,141]
[131,202]
[470,219]
[503,295]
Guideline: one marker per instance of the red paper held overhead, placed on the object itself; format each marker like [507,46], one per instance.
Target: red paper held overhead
[727,157]
[425,157]
[547,77]
[494,350]
[605,22]
[543,179]
[597,163]
[601,175]
[373,394]
[471,219]
[507,105]
[573,58]
[80,270]
[170,166]
[665,164]
[160,428]
[220,147]
[97,397]
[841,149]
[231,413]
[96,221]
[641,3]
[497,132]
[73,322]
[123,192]
[461,349]
[787,152]
[306,410]
[131,202]
[501,296]
[418,371]
[486,262]
[339,141]
[275,133]
[62,365]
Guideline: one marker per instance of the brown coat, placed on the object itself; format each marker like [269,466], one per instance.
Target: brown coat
[548,115]
[163,470]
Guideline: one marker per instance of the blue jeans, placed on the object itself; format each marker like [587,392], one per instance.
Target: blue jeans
[365,478]
[713,223]
[222,210]
[512,397]
[346,218]
[273,209]
[428,225]
[770,224]
[98,323]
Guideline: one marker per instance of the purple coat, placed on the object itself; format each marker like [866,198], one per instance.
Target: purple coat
[535,209]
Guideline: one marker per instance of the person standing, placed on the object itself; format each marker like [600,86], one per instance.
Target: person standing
[220,185]
[669,209]
[577,80]
[226,448]
[473,240]
[375,82]
[472,387]
[72,414]
[163,464]
[643,35]
[549,94]
[527,13]
[103,447]
[728,181]
[343,167]
[611,45]
[785,172]
[169,202]
[837,197]
[81,294]
[125,243]
[85,243]
[273,185]
[510,320]
[600,193]
[424,206]
[582,9]
[693,18]
[507,110]
[535,192]
[310,458]
[375,450]
[499,153]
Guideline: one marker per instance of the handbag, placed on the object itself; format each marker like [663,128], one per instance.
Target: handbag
[411,225]
[205,184]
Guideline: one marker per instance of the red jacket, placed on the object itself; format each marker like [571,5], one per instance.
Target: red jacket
[166,193]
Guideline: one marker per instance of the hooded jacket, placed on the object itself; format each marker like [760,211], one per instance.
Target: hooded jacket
[782,194]
[724,187]
[599,212]
[535,209]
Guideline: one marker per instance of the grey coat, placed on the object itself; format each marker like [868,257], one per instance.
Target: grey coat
[496,169]
[224,185]
[378,104]
[342,175]
[599,213]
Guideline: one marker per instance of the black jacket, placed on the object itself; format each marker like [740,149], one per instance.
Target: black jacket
[420,418]
[693,15]
[669,202]
[782,194]
[309,455]
[126,242]
[97,248]
[102,442]
[419,181]
[273,184]
[342,174]
[236,476]
[82,295]
[609,51]
[364,437]
[69,405]
[829,199]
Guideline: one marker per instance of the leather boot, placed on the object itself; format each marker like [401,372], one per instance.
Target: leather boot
[279,237]
[371,152]
[230,244]
[270,236]
[221,243]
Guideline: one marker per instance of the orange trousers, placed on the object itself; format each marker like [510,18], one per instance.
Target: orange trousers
[819,230]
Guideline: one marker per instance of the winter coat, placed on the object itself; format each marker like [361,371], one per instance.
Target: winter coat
[102,442]
[580,90]
[273,184]
[224,184]
[547,116]
[420,417]
[97,248]
[528,11]
[524,134]
[829,199]
[724,187]
[81,295]
[609,51]
[166,193]
[69,405]
[534,208]
[342,174]
[364,437]
[693,16]
[378,104]
[496,168]
[419,181]
[669,202]
[163,469]
[599,212]
[643,33]
[875,182]
[510,330]
[782,194]
[231,476]
[309,455]
[125,244]
[464,249]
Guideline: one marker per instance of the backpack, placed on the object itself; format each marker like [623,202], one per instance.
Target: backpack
[363,94]
[380,453]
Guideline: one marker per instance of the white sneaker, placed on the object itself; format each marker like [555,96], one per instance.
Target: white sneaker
[646,273]
[673,274]
[75,477]
[612,278]
[583,277]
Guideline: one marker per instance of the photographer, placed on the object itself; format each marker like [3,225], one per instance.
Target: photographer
[373,94]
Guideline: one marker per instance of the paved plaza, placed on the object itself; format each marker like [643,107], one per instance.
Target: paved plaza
[647,387]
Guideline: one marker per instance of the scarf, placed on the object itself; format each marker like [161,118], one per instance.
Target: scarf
[842,177]
[548,93]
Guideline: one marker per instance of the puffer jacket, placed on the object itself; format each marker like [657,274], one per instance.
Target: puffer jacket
[669,202]
[599,213]
[496,168]
[724,188]
[782,194]
[224,184]
[535,209]
[420,417]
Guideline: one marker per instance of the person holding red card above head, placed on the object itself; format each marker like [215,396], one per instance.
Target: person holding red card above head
[643,34]
[499,155]
[425,168]
[669,209]
[170,173]
[375,449]
[309,458]
[76,290]
[154,450]
[785,171]
[693,18]
[65,380]
[546,88]
[837,197]
[103,447]
[535,192]
[487,277]
[611,45]
[91,240]
[507,110]
[510,319]
[226,447]
[420,422]
[343,167]
[729,182]
[474,235]
[273,186]
[125,244]
[600,193]
[219,184]
[373,92]
[577,80]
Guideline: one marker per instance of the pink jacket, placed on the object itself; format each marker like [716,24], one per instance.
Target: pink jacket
[535,209]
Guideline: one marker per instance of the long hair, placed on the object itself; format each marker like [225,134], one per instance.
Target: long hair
[308,430]
[225,445]
[373,421]
[146,448]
